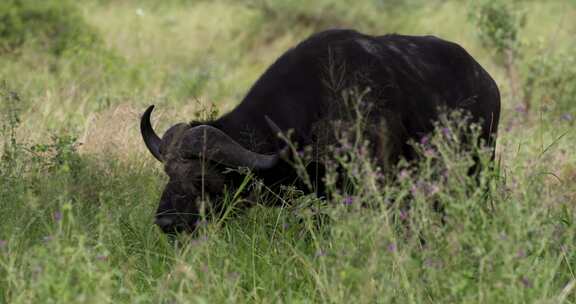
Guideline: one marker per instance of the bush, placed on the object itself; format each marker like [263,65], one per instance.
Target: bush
[498,24]
[550,81]
[10,120]
[315,15]
[52,25]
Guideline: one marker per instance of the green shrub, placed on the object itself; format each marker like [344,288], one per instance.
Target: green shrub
[52,25]
[498,24]
[550,82]
[54,33]
[315,15]
[547,80]
[10,120]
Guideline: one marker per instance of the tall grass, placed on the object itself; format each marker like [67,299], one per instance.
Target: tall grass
[78,191]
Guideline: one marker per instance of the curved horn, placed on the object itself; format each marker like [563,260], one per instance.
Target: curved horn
[215,145]
[151,140]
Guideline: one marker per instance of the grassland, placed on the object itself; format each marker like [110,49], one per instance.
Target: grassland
[78,190]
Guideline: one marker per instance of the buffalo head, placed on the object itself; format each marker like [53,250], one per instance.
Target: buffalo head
[195,159]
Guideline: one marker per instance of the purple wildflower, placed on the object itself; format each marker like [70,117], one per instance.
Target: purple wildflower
[233,275]
[199,241]
[392,247]
[348,201]
[362,151]
[102,257]
[430,153]
[521,109]
[57,216]
[446,132]
[36,271]
[425,188]
[404,215]
[432,189]
[424,140]
[526,282]
[521,254]
[404,174]
[432,263]
[348,146]
[205,268]
[414,190]
[567,117]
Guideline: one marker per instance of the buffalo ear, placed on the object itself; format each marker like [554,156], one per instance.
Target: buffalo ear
[210,143]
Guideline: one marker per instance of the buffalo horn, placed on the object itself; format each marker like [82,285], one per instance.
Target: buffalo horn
[151,140]
[215,145]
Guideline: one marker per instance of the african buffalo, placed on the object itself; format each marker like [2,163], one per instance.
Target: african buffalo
[405,82]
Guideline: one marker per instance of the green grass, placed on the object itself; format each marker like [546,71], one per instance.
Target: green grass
[78,191]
